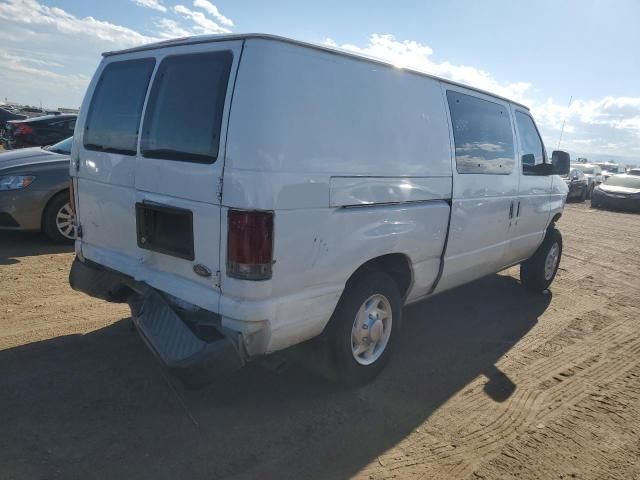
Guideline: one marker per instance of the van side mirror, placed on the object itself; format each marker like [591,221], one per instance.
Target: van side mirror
[561,162]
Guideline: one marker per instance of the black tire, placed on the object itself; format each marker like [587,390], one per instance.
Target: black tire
[49,226]
[343,366]
[532,271]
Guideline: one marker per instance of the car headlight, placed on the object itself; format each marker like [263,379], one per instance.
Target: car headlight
[16,182]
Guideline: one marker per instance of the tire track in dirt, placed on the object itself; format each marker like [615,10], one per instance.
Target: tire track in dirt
[563,384]
[610,419]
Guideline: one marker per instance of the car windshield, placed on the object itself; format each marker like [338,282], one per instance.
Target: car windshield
[623,181]
[584,169]
[63,147]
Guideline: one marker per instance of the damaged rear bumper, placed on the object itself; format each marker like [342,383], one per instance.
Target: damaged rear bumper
[189,342]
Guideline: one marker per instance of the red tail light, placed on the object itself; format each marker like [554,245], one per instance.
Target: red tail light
[250,245]
[22,129]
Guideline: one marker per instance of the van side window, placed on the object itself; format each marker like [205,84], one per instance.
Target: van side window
[530,142]
[184,112]
[115,110]
[482,134]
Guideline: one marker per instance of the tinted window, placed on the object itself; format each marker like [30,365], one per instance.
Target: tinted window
[482,134]
[530,143]
[184,113]
[116,106]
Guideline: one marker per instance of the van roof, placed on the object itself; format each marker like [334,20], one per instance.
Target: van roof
[243,36]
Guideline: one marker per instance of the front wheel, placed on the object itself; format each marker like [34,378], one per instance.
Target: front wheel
[538,272]
[364,328]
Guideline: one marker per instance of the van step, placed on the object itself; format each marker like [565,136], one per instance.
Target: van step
[175,344]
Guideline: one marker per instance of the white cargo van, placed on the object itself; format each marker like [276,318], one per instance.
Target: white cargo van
[246,193]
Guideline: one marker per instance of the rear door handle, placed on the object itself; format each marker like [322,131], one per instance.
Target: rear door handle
[518,210]
[511,210]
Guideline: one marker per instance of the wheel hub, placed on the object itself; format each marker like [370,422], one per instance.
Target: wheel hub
[65,221]
[551,262]
[371,329]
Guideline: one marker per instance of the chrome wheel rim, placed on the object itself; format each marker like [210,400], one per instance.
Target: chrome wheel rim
[551,261]
[65,221]
[371,329]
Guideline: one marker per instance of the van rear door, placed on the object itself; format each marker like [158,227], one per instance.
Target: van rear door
[151,164]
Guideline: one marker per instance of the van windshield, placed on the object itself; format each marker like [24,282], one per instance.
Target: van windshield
[184,112]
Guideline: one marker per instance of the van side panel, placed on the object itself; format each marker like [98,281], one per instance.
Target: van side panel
[307,111]
[354,159]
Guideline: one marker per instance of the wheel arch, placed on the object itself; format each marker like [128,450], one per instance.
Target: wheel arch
[554,220]
[396,265]
[48,201]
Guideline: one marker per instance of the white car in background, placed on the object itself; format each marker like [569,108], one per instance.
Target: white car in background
[609,169]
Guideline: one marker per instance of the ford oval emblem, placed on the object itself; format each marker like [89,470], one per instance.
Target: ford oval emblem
[201,270]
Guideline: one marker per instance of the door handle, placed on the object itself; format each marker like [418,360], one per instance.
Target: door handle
[518,210]
[511,210]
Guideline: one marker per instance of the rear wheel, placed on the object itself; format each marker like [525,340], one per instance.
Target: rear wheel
[538,272]
[58,220]
[364,328]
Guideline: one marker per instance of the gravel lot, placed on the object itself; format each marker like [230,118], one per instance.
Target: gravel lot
[490,381]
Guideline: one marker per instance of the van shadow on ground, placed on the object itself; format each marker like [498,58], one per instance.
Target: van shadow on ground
[98,405]
[14,245]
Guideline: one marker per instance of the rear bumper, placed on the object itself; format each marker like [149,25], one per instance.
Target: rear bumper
[191,344]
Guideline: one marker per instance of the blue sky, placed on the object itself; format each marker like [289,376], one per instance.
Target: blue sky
[540,53]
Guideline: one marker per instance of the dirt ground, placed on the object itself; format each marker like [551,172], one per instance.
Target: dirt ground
[490,381]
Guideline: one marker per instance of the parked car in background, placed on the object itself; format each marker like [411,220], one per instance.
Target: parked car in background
[253,232]
[38,131]
[609,169]
[633,171]
[618,192]
[577,183]
[7,114]
[34,191]
[593,174]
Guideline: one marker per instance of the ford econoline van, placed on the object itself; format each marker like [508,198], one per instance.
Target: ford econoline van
[246,193]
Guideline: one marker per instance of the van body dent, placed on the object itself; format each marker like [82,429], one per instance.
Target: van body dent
[235,190]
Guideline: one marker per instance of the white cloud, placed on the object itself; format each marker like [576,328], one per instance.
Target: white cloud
[211,9]
[171,29]
[152,4]
[49,54]
[608,127]
[203,24]
[411,54]
[34,14]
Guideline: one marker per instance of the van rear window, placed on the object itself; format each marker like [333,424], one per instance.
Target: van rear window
[184,112]
[115,110]
[482,134]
